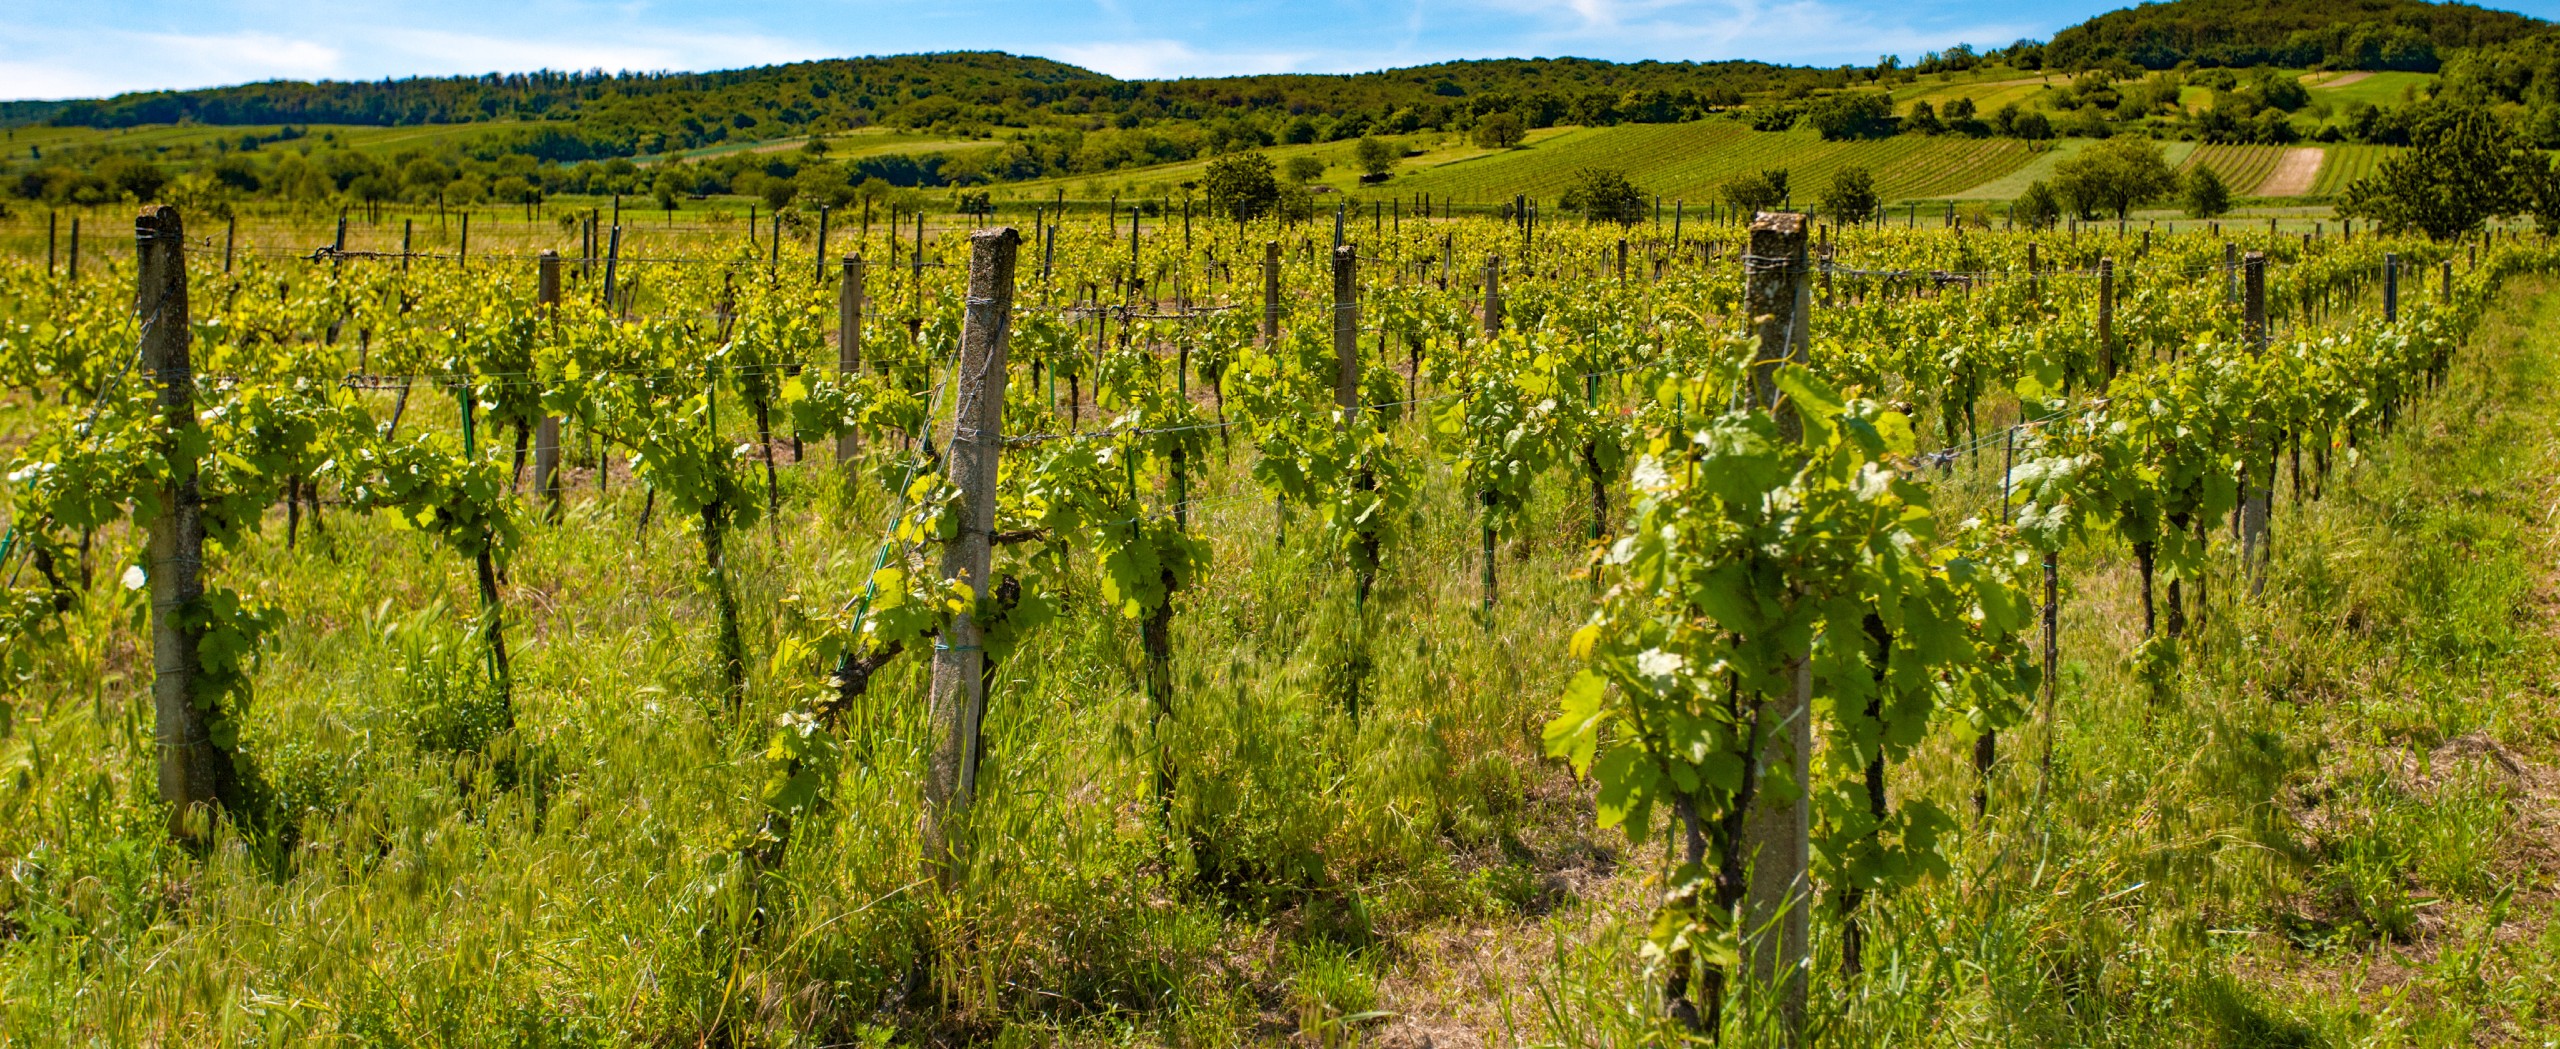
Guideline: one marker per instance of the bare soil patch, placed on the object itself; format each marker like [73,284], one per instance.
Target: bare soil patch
[2294,174]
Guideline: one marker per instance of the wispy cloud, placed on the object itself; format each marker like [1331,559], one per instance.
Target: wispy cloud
[37,63]
[635,48]
[40,62]
[1155,59]
[1786,31]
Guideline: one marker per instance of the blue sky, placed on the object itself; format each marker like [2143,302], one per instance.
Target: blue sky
[60,48]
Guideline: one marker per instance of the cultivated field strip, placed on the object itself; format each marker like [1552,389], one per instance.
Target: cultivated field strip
[2243,168]
[2346,164]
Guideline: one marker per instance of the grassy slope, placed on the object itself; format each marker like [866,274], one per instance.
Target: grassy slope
[1989,87]
[1691,161]
[1677,161]
[2379,89]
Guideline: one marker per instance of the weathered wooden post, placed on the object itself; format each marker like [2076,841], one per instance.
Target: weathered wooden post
[2106,322]
[1271,293]
[958,700]
[2256,494]
[1346,331]
[1777,834]
[849,342]
[195,776]
[2391,287]
[546,434]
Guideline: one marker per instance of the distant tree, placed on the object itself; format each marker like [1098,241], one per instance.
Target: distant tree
[1305,168]
[1851,197]
[1923,119]
[1757,192]
[1240,186]
[2465,169]
[1295,204]
[2204,193]
[141,179]
[1605,195]
[778,192]
[2113,176]
[819,185]
[1376,156]
[1500,131]
[2037,208]
[1853,114]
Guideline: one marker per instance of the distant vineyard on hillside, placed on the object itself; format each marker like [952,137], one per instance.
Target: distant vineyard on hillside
[2242,168]
[2347,164]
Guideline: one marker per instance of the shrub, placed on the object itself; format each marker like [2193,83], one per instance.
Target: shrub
[1605,195]
[1240,186]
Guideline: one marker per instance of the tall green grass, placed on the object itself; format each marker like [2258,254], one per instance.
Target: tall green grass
[2312,838]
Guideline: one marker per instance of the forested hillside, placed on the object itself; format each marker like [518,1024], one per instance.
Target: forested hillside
[2351,34]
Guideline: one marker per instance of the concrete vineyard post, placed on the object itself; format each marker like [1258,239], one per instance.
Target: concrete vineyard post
[849,342]
[408,228]
[51,220]
[462,251]
[1492,296]
[230,238]
[958,701]
[546,436]
[71,259]
[194,775]
[1776,834]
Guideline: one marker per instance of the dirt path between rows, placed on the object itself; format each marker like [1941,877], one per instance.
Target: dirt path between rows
[2294,174]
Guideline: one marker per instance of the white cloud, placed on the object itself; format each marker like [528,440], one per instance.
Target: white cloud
[632,48]
[38,64]
[1155,59]
[1785,31]
[92,62]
